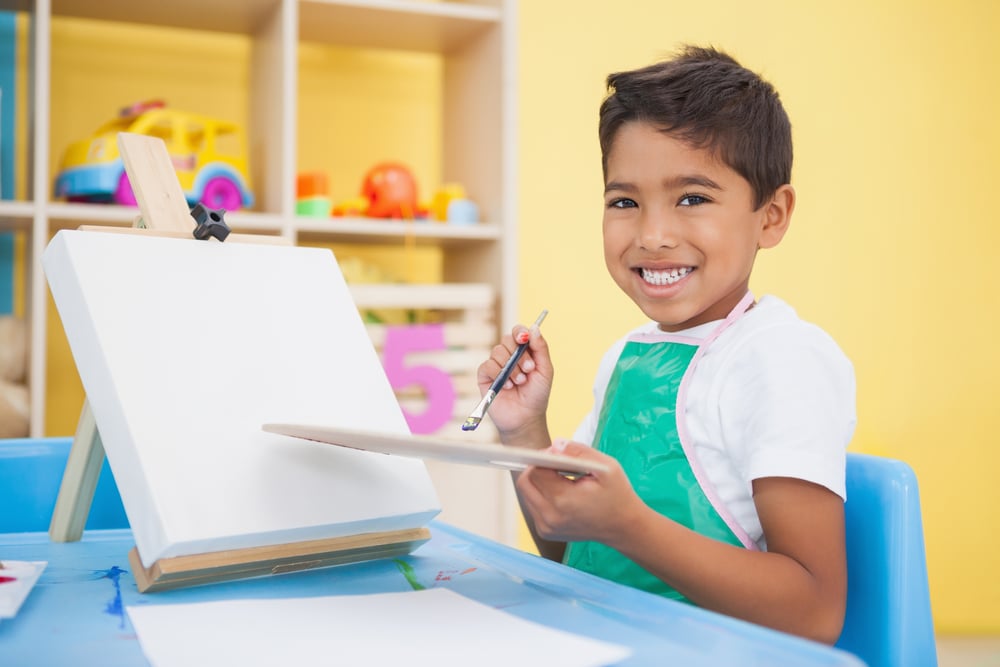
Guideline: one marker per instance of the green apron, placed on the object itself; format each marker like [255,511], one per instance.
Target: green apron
[642,425]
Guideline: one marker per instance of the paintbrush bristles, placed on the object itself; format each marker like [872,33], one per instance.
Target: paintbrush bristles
[477,415]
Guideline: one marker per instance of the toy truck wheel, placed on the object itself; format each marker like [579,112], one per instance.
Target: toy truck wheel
[123,193]
[220,192]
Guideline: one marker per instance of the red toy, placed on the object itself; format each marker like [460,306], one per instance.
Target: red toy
[391,192]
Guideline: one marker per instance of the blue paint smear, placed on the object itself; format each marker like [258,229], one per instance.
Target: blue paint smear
[114,607]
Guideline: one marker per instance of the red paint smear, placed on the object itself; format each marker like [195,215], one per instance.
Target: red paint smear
[445,575]
[5,580]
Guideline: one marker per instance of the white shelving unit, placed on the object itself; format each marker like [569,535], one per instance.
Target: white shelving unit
[476,42]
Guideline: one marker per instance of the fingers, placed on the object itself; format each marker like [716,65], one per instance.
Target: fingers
[577,450]
[528,362]
[539,349]
[579,508]
[536,357]
[544,485]
[532,487]
[525,484]
[499,356]
[544,494]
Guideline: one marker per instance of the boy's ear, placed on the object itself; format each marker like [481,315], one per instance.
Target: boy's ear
[777,216]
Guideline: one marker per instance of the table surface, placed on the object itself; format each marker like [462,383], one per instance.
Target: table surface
[76,615]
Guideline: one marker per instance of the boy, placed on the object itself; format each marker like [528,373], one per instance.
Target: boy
[725,420]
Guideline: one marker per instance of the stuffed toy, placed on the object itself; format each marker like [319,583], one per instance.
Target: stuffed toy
[14,404]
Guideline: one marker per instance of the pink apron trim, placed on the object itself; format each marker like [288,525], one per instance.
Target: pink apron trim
[682,433]
[663,337]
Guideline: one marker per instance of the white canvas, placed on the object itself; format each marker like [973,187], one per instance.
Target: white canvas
[186,347]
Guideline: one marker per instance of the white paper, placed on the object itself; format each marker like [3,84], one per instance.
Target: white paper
[434,626]
[17,577]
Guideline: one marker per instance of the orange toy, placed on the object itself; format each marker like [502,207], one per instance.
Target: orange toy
[391,191]
[311,194]
[311,184]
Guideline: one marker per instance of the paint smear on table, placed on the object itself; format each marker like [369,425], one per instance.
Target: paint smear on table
[114,606]
[448,575]
[410,574]
[17,580]
[443,575]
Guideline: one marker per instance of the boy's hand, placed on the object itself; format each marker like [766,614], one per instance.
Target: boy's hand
[518,411]
[596,507]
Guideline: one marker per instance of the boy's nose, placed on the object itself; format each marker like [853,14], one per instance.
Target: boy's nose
[657,230]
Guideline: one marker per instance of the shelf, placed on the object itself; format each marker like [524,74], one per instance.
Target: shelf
[445,296]
[71,215]
[411,25]
[349,230]
[232,16]
[16,215]
[288,70]
[394,24]
[367,230]
[68,216]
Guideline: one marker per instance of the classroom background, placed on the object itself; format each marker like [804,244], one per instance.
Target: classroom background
[894,107]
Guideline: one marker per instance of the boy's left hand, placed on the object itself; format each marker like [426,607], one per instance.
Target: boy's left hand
[595,507]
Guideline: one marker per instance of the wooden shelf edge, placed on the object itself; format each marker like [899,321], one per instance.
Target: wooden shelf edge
[438,295]
[227,16]
[65,215]
[397,24]
[438,27]
[395,229]
[16,215]
[355,230]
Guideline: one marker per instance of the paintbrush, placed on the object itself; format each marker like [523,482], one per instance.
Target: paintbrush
[477,415]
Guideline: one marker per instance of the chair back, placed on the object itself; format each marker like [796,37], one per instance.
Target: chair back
[31,471]
[888,621]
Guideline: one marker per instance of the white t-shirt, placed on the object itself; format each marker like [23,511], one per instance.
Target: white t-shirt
[773,396]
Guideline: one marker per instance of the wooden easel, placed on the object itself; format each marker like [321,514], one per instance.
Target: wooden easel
[164,212]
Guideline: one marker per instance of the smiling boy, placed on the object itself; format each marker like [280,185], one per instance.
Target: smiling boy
[725,420]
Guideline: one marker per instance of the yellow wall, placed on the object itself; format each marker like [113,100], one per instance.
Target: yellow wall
[894,107]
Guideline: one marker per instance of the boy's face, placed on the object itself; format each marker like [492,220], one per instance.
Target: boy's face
[680,232]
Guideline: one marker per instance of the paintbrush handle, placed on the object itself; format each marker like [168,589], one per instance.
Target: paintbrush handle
[508,367]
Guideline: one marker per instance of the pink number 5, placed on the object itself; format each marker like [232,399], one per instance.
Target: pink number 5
[436,384]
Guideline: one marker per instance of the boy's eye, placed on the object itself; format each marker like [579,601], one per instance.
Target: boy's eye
[692,200]
[622,202]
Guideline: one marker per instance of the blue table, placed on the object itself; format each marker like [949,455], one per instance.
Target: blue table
[76,613]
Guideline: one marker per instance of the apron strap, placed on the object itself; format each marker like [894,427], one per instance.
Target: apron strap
[699,472]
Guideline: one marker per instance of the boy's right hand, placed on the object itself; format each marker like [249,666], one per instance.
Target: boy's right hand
[518,411]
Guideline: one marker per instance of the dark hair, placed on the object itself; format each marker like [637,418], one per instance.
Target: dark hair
[708,100]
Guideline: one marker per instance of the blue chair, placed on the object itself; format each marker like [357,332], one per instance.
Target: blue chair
[888,621]
[31,471]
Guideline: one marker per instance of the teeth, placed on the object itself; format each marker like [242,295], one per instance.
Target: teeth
[664,277]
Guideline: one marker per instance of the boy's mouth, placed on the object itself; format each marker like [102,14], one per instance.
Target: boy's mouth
[664,276]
